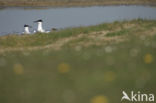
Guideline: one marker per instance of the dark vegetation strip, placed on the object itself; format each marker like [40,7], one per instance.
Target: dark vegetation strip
[4,3]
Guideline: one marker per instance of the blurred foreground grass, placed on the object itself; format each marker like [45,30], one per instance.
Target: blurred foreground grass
[82,74]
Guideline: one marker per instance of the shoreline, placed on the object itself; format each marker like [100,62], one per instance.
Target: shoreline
[74,3]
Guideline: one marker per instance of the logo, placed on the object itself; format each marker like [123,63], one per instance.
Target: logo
[137,97]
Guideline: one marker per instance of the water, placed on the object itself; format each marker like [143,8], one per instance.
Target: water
[13,19]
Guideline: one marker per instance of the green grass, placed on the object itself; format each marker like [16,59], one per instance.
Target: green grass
[80,75]
[119,33]
[43,39]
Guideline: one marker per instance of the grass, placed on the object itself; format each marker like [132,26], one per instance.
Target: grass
[92,32]
[90,68]
[73,2]
[121,32]
[43,39]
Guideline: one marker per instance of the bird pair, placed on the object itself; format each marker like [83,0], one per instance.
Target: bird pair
[39,28]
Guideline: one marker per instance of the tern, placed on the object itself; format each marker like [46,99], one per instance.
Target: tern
[40,28]
[26,29]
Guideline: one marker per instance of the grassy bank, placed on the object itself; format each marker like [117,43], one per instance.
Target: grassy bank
[84,36]
[74,3]
[79,65]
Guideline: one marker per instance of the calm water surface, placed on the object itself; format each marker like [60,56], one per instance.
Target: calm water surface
[13,19]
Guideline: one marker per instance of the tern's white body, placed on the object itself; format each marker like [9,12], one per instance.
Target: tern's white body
[26,30]
[40,28]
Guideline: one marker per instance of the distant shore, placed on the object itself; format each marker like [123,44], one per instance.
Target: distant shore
[75,3]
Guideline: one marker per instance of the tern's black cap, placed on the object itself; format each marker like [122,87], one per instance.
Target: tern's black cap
[27,26]
[39,20]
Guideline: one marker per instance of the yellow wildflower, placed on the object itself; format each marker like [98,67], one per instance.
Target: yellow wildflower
[99,99]
[18,69]
[109,76]
[148,58]
[63,68]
